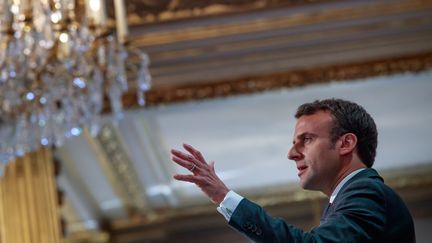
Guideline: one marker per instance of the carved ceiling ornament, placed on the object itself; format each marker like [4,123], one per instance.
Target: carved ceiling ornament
[199,91]
[151,11]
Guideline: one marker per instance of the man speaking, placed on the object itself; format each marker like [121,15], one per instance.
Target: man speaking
[334,148]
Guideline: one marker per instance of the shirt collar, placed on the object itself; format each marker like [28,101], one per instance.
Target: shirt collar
[340,185]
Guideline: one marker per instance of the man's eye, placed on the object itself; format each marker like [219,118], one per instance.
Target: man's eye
[307,139]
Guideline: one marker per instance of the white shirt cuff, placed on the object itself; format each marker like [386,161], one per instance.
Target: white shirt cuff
[229,204]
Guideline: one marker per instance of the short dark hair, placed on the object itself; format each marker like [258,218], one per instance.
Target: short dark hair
[348,117]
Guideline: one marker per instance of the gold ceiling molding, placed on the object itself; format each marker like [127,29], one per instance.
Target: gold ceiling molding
[289,79]
[153,11]
[223,29]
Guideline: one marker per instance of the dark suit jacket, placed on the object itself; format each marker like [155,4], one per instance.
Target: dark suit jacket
[365,210]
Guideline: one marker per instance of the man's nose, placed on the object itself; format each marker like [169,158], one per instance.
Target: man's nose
[294,154]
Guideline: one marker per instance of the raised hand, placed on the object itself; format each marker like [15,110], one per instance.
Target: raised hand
[203,173]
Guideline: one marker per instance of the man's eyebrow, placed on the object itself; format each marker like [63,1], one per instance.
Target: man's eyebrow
[302,135]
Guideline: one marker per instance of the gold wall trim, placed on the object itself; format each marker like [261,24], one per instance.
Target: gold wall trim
[293,78]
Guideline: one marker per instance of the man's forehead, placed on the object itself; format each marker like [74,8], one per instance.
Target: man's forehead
[317,122]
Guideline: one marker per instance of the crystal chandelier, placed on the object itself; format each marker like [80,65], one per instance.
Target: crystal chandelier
[58,60]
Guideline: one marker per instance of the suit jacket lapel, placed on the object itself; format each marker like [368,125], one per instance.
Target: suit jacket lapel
[367,173]
[324,214]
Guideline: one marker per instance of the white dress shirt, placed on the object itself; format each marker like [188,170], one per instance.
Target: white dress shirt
[343,181]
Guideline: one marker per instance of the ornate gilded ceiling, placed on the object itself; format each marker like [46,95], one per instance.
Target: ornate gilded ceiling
[286,42]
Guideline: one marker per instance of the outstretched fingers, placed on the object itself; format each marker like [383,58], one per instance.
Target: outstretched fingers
[195,153]
[204,175]
[189,178]
[187,164]
[182,155]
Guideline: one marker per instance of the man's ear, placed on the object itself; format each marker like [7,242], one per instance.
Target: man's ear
[348,143]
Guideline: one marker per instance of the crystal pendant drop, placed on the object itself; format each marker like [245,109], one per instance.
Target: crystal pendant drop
[141,98]
[143,79]
[121,69]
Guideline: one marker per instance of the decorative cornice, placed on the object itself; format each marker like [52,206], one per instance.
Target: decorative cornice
[289,79]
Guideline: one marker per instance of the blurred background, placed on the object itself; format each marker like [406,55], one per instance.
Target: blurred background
[227,78]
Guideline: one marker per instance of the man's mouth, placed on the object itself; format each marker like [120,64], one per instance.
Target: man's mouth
[301,169]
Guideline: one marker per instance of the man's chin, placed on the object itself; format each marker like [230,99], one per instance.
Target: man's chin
[306,185]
